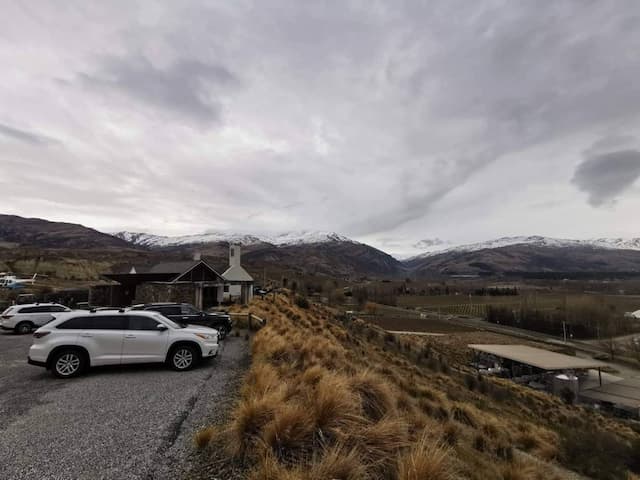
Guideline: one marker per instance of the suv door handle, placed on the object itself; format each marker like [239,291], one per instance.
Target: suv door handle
[129,336]
[86,335]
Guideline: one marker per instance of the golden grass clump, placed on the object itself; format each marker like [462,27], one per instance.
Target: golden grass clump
[250,416]
[427,460]
[204,436]
[338,462]
[289,435]
[334,405]
[376,397]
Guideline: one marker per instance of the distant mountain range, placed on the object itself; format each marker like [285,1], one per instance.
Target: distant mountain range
[331,254]
[280,239]
[539,241]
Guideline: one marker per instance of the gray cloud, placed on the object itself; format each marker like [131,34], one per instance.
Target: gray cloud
[407,121]
[605,176]
[189,87]
[429,242]
[25,136]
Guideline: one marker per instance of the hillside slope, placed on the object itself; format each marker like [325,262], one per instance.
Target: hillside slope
[331,398]
[526,258]
[41,233]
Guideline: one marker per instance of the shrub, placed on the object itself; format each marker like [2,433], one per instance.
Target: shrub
[568,396]
[450,433]
[471,382]
[302,302]
[480,443]
[505,452]
[520,471]
[464,416]
[597,454]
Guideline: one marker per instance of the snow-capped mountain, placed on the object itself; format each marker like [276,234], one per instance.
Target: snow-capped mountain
[540,241]
[279,239]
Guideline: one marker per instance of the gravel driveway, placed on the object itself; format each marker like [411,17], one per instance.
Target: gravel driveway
[133,422]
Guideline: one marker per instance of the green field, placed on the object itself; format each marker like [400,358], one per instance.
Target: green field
[476,305]
[394,318]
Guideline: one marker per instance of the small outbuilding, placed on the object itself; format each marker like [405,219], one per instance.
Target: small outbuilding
[239,282]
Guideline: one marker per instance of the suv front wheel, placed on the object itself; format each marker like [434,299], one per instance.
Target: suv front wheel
[67,363]
[183,357]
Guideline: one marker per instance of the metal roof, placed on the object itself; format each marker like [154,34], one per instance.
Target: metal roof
[537,357]
[625,392]
[235,273]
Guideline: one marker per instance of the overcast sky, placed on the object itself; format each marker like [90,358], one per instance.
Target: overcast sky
[390,122]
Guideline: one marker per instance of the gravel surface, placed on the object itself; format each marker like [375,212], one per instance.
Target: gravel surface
[134,422]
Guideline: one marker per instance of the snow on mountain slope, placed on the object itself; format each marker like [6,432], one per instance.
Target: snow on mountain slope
[285,238]
[539,241]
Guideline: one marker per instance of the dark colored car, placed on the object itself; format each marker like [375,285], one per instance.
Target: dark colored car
[187,314]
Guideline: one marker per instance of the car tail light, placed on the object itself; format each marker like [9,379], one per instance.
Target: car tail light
[41,334]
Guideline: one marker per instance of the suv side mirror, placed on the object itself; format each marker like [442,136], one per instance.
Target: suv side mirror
[162,327]
[203,314]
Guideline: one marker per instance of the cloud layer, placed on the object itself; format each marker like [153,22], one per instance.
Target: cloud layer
[388,122]
[606,176]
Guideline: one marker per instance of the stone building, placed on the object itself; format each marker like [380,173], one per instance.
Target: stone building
[195,282]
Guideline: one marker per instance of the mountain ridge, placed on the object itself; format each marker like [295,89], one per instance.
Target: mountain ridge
[328,253]
[538,241]
[278,239]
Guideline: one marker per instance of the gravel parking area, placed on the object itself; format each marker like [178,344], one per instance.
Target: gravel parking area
[134,422]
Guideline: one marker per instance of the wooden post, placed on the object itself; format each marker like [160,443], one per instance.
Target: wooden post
[600,375]
[249,320]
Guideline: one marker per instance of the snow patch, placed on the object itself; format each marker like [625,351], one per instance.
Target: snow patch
[279,239]
[539,241]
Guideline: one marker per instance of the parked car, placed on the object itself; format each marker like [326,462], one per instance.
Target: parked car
[187,314]
[24,318]
[77,340]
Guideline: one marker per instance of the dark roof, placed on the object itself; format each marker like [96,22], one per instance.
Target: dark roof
[172,267]
[159,272]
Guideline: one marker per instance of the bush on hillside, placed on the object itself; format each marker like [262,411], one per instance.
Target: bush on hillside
[597,454]
[302,302]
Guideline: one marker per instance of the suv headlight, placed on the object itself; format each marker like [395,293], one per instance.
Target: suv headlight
[206,336]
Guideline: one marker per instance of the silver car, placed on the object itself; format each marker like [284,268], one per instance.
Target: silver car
[24,318]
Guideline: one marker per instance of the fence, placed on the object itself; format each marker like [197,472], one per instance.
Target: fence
[249,320]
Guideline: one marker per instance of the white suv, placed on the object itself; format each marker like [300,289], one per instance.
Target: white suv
[24,318]
[78,340]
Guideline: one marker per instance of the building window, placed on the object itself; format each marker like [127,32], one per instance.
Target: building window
[226,289]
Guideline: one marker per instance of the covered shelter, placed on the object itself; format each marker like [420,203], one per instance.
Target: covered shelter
[538,366]
[622,397]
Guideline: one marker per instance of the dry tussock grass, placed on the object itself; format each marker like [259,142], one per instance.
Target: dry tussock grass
[427,460]
[327,400]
